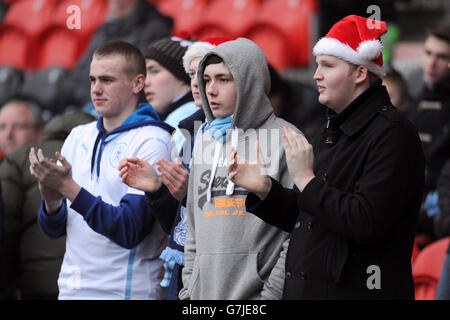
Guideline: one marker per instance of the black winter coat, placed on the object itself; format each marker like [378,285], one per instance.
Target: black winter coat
[352,227]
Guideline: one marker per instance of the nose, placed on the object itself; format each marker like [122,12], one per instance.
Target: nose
[147,81]
[318,74]
[211,88]
[194,82]
[96,87]
[430,62]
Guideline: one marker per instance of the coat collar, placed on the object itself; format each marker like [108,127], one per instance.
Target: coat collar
[361,110]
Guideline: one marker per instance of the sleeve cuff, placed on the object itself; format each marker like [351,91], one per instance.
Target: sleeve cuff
[307,199]
[253,202]
[158,193]
[83,201]
[54,219]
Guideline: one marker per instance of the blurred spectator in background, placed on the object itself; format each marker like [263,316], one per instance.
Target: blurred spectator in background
[135,21]
[296,103]
[20,123]
[397,88]
[442,228]
[430,113]
[30,262]
[167,85]
[3,10]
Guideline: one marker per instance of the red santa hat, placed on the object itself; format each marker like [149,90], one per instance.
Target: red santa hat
[357,40]
[201,48]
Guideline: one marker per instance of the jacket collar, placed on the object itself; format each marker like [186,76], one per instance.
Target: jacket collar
[361,110]
[185,98]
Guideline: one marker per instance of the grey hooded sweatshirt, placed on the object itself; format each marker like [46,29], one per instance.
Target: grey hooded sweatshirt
[229,252]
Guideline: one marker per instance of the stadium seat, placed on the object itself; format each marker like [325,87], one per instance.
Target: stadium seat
[228,18]
[45,86]
[11,80]
[32,16]
[288,23]
[275,45]
[187,14]
[58,47]
[14,47]
[427,269]
[93,13]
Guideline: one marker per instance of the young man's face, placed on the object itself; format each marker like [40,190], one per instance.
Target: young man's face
[193,68]
[436,59]
[335,82]
[161,86]
[220,89]
[112,89]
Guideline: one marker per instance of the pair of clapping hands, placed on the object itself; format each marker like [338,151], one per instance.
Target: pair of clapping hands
[54,180]
[141,175]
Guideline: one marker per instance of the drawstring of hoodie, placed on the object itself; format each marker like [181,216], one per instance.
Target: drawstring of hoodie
[102,139]
[217,151]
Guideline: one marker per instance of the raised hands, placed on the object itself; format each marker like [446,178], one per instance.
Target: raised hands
[139,174]
[55,182]
[249,175]
[299,157]
[174,176]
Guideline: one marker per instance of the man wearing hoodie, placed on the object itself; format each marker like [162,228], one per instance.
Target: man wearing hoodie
[86,201]
[229,253]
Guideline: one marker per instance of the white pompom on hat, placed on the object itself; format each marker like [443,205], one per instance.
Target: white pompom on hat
[200,49]
[357,40]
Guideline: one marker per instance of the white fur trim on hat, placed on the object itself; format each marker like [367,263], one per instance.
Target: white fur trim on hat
[367,51]
[197,49]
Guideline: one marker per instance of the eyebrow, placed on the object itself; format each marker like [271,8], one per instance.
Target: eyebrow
[219,75]
[103,77]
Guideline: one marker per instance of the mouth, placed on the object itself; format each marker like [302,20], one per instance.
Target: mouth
[149,96]
[320,88]
[214,105]
[196,94]
[99,100]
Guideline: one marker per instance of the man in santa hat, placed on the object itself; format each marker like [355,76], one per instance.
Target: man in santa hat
[357,192]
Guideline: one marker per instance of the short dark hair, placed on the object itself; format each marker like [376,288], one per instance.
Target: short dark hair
[133,56]
[441,32]
[396,77]
[213,59]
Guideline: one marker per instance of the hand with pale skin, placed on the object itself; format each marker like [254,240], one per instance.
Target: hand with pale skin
[55,181]
[174,176]
[249,175]
[299,157]
[139,174]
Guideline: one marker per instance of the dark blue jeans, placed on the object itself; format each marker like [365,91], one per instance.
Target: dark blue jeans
[175,283]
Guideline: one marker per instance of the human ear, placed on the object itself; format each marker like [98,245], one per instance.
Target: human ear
[138,83]
[361,74]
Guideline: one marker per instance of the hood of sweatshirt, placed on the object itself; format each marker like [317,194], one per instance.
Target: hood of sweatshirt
[252,81]
[229,252]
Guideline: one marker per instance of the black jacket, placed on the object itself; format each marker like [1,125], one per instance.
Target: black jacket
[442,221]
[359,211]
